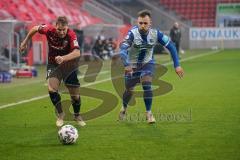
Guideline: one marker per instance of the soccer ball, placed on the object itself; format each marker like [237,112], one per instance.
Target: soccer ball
[68,134]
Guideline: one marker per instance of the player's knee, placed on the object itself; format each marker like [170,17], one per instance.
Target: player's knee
[52,89]
[75,97]
[147,86]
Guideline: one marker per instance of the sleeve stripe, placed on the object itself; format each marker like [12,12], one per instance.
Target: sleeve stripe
[167,43]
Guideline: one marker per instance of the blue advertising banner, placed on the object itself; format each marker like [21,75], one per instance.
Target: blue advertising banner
[231,33]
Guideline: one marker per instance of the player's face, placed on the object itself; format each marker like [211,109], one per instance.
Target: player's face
[144,23]
[61,30]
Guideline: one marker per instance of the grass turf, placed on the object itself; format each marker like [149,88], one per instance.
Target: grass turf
[210,89]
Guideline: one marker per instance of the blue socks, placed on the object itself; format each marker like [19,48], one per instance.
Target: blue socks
[147,95]
[126,97]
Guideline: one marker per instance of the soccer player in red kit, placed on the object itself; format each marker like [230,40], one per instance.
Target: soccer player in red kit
[63,48]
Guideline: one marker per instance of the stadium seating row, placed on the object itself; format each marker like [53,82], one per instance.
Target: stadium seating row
[202,13]
[42,11]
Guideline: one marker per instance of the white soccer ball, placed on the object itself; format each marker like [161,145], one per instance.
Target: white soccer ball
[68,134]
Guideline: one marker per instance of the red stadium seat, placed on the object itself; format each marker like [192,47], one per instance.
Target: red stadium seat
[201,12]
[45,11]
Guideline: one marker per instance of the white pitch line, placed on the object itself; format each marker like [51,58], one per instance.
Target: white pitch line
[44,96]
[194,57]
[104,80]
[94,74]
[31,81]
[23,101]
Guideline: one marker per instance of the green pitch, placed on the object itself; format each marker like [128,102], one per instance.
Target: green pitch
[199,119]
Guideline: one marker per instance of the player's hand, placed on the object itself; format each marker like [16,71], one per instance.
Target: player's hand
[59,59]
[128,70]
[179,71]
[23,46]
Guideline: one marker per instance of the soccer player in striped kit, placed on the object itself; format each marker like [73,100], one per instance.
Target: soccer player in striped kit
[136,52]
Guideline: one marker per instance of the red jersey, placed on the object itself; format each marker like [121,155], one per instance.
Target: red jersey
[58,46]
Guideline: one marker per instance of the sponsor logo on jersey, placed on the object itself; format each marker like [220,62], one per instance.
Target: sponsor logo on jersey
[75,43]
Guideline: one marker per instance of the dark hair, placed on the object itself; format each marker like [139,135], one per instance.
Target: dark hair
[62,20]
[144,13]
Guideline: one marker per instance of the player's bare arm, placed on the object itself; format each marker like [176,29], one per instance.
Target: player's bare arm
[74,54]
[30,34]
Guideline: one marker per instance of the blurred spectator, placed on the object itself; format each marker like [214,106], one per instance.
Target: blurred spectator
[97,47]
[111,47]
[104,53]
[104,48]
[175,34]
[5,52]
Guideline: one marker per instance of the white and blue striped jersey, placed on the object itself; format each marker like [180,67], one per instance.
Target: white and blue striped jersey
[138,48]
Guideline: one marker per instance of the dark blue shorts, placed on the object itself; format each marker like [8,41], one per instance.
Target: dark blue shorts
[146,70]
